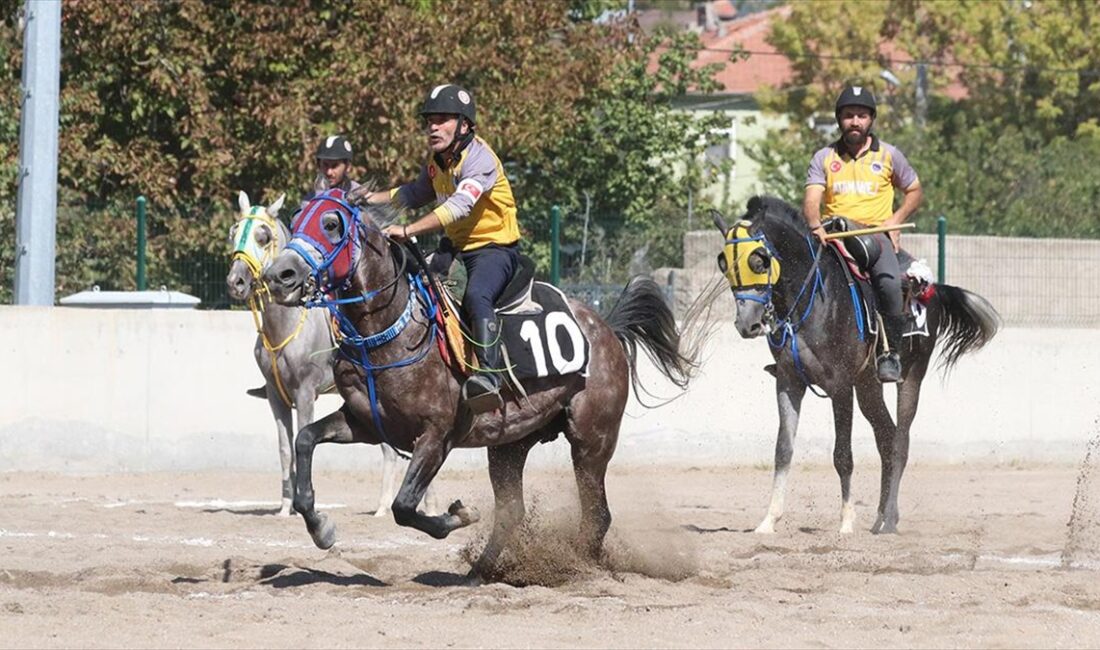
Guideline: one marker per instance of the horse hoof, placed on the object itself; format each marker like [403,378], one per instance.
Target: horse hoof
[474,579]
[383,512]
[766,527]
[324,533]
[466,515]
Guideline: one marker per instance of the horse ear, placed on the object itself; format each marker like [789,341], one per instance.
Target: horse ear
[755,204]
[320,184]
[719,222]
[242,200]
[273,209]
[358,195]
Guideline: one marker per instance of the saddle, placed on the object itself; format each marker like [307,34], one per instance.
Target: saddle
[858,255]
[539,332]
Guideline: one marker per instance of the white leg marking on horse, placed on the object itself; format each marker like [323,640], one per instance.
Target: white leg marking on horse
[847,518]
[775,509]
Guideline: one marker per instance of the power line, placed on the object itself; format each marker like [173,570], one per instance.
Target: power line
[893,61]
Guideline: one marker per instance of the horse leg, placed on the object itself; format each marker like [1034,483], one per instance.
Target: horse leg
[788,393]
[303,406]
[842,457]
[506,464]
[593,431]
[389,477]
[431,501]
[873,407]
[908,400]
[428,456]
[284,428]
[334,427]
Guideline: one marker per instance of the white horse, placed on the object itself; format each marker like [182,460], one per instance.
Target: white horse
[295,346]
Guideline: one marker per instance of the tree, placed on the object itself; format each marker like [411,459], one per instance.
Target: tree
[1009,158]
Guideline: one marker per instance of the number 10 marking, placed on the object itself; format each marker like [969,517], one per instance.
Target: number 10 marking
[530,333]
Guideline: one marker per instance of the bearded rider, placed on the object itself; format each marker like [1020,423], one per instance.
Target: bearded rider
[855,177]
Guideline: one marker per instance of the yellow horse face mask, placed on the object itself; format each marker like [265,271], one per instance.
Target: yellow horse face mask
[251,242]
[746,260]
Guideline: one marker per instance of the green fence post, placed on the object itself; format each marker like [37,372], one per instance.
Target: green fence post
[941,236]
[141,243]
[555,245]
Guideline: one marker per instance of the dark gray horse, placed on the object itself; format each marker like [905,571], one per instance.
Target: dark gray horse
[410,397]
[294,345]
[798,294]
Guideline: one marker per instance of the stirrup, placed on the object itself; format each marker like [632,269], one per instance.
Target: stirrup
[480,395]
[889,368]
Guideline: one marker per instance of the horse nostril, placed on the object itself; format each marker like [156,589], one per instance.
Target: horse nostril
[287,276]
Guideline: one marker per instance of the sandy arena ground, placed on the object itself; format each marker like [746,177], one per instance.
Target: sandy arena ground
[198,560]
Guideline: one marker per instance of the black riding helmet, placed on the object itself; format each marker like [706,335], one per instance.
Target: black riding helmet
[856,96]
[334,147]
[450,99]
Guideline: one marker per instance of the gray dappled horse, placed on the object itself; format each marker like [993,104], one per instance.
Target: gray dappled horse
[404,392]
[294,345]
[796,293]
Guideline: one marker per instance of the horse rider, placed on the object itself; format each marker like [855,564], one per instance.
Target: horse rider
[856,177]
[477,213]
[333,157]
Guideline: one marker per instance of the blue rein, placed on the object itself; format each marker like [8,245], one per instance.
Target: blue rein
[786,328]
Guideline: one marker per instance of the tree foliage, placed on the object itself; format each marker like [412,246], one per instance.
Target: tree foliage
[187,101]
[1011,157]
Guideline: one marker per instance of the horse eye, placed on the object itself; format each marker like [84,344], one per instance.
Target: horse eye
[722,262]
[263,235]
[233,232]
[331,224]
[759,262]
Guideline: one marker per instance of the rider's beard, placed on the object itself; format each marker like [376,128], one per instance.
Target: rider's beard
[855,137]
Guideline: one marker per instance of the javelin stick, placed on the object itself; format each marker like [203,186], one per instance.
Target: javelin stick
[869,231]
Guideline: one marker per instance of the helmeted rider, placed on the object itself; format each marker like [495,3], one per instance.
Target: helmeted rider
[855,177]
[334,155]
[477,212]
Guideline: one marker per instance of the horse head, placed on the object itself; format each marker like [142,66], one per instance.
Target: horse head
[325,253]
[256,239]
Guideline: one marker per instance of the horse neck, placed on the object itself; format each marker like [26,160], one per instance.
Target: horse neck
[797,263]
[796,288]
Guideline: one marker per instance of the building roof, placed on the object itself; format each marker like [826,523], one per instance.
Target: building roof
[764,65]
[748,32]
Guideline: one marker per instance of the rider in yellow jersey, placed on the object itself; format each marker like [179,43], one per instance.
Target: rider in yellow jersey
[855,177]
[474,206]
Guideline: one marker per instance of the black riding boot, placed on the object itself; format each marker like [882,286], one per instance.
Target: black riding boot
[481,393]
[889,363]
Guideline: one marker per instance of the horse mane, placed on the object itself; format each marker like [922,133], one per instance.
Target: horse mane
[379,214]
[771,207]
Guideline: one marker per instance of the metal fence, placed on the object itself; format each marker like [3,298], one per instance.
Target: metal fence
[1031,282]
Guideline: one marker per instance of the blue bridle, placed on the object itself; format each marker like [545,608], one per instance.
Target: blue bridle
[309,217]
[784,331]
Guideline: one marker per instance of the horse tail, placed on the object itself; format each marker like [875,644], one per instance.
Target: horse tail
[967,322]
[642,317]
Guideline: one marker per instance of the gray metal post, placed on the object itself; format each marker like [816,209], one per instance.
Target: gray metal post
[922,94]
[36,206]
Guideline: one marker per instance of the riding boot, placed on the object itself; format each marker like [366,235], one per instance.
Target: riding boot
[481,393]
[889,363]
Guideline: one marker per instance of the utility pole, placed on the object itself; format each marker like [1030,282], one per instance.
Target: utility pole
[922,93]
[36,205]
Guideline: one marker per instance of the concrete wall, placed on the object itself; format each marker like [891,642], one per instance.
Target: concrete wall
[99,391]
[1031,282]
